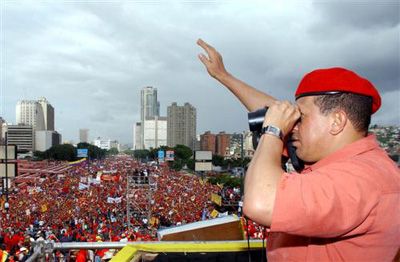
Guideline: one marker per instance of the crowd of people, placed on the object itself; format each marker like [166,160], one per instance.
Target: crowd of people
[87,202]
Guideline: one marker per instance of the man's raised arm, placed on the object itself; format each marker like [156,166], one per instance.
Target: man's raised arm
[250,97]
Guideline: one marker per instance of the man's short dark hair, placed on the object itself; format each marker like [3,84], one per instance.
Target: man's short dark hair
[357,107]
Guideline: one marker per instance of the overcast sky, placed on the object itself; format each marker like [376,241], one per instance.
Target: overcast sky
[91,58]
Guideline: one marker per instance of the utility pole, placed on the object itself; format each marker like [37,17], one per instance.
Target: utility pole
[242,164]
[6,204]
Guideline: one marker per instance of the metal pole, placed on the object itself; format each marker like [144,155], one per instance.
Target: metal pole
[6,155]
[128,200]
[242,164]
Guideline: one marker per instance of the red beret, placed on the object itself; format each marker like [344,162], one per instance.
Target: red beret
[337,80]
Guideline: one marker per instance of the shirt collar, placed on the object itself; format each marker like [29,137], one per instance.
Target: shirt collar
[360,146]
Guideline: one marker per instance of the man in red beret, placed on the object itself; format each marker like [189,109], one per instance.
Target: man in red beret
[344,206]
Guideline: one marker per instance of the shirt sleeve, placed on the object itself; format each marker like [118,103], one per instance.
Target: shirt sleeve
[332,201]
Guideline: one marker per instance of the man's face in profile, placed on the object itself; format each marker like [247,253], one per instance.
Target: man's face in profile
[310,134]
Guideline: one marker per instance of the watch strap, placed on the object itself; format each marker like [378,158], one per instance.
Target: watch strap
[272,130]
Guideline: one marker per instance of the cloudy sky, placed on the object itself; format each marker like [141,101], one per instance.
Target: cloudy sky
[91,58]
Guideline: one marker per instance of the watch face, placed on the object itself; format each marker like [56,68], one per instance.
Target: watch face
[273,129]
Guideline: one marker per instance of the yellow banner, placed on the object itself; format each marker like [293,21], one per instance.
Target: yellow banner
[153,221]
[214,213]
[44,208]
[77,161]
[216,199]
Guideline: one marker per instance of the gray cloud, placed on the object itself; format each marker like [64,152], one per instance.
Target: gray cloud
[364,15]
[90,60]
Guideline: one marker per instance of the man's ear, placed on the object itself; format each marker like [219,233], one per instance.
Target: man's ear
[338,122]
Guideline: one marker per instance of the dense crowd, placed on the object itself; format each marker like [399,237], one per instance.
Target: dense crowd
[87,203]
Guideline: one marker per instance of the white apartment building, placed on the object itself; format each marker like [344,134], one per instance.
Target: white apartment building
[30,112]
[155,132]
[44,139]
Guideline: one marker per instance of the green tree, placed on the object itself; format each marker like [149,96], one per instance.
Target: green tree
[129,152]
[65,152]
[177,164]
[183,152]
[190,163]
[141,153]
[39,155]
[226,179]
[219,161]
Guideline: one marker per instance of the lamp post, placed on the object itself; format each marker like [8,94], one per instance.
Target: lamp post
[242,164]
[6,205]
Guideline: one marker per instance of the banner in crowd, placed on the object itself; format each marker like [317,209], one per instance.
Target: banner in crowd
[77,162]
[214,214]
[114,200]
[216,199]
[83,186]
[154,221]
[169,155]
[34,189]
[203,181]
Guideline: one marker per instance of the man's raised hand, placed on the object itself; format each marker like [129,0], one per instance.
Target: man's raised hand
[213,61]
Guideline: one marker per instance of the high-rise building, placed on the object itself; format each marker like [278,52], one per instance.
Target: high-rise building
[155,134]
[222,144]
[181,121]
[83,135]
[48,114]
[149,105]
[30,112]
[207,142]
[38,114]
[149,111]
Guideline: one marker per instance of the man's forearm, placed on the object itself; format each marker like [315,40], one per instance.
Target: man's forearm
[250,97]
[262,179]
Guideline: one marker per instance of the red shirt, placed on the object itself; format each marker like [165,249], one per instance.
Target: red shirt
[81,256]
[346,207]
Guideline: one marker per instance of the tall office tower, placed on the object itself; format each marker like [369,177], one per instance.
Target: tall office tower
[48,114]
[150,107]
[83,135]
[30,112]
[181,125]
[207,142]
[222,144]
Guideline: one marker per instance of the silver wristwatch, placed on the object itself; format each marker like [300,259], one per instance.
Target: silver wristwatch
[272,130]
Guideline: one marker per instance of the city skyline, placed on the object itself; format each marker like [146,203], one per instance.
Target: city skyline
[90,60]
